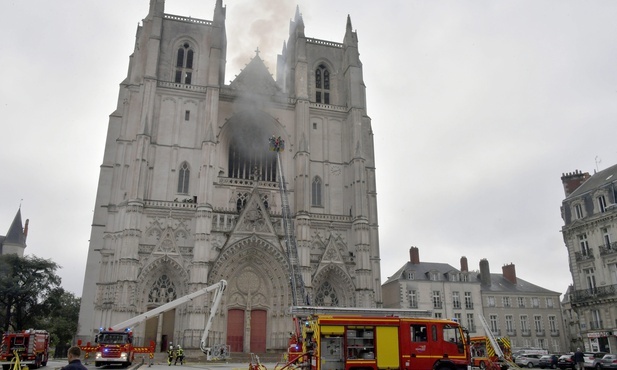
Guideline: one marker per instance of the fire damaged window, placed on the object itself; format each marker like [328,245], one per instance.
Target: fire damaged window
[322,85]
[184,64]
[246,162]
[183,178]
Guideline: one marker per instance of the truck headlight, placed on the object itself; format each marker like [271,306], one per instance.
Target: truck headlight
[99,355]
[123,355]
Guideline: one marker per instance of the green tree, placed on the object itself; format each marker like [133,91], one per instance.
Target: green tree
[59,314]
[25,284]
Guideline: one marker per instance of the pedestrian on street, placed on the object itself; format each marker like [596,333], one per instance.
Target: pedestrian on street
[579,359]
[73,355]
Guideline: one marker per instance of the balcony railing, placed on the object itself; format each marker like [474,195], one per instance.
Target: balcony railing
[580,256]
[608,249]
[540,333]
[554,333]
[526,333]
[581,295]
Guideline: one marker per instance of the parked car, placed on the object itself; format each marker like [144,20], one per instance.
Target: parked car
[548,361]
[608,362]
[566,361]
[592,359]
[528,360]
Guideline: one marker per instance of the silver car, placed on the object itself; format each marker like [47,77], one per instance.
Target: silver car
[528,360]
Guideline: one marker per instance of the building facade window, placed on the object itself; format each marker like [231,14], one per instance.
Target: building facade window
[470,323]
[490,301]
[521,302]
[507,302]
[552,324]
[578,211]
[494,323]
[316,191]
[537,322]
[456,300]
[468,301]
[410,275]
[458,317]
[184,175]
[535,302]
[524,324]
[437,299]
[606,237]
[584,244]
[413,299]
[602,204]
[184,64]
[322,85]
[509,324]
[590,278]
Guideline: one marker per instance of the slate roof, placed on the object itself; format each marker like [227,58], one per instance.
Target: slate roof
[597,180]
[499,284]
[15,235]
[421,269]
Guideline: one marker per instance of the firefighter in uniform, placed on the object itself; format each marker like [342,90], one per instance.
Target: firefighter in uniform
[170,354]
[179,355]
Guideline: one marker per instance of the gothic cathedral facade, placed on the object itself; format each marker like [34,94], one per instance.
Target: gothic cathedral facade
[188,193]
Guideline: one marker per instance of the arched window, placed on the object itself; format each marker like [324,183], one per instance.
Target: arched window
[326,296]
[162,291]
[316,191]
[322,85]
[184,64]
[183,178]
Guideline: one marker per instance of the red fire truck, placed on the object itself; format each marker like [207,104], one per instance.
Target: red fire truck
[115,345]
[354,342]
[32,347]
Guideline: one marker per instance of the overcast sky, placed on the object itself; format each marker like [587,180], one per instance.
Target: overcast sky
[477,109]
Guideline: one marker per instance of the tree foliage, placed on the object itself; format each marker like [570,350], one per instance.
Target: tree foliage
[26,286]
[59,314]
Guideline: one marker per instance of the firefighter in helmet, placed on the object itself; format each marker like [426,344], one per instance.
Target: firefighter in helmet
[170,353]
[179,355]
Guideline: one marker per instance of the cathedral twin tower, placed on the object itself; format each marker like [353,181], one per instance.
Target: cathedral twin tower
[188,191]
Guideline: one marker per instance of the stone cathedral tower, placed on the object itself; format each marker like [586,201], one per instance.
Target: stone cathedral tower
[188,192]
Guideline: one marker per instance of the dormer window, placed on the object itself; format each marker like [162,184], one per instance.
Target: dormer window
[184,64]
[322,85]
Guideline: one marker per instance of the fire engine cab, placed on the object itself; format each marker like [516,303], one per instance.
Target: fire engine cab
[32,347]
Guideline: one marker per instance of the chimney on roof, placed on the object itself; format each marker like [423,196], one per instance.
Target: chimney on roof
[572,180]
[414,255]
[509,273]
[464,267]
[485,272]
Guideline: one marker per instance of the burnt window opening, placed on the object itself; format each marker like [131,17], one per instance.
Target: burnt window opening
[183,178]
[257,165]
[184,64]
[322,85]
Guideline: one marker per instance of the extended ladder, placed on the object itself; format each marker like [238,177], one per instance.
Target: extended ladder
[495,344]
[297,283]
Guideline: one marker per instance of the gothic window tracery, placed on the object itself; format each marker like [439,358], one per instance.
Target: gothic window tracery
[162,291]
[322,84]
[183,178]
[184,64]
[316,191]
[326,296]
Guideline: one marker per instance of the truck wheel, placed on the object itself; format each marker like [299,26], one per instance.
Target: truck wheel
[482,365]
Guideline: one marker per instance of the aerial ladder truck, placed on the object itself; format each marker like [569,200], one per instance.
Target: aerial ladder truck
[115,344]
[503,361]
